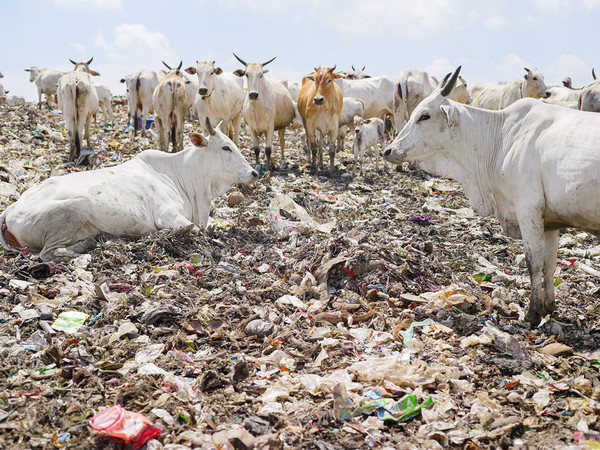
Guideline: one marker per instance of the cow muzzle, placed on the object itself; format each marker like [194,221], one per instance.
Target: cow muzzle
[318,100]
[203,91]
[253,95]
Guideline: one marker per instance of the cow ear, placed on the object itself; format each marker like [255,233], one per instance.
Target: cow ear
[337,75]
[191,70]
[198,140]
[265,71]
[218,70]
[122,80]
[310,77]
[94,73]
[239,73]
[448,111]
[367,76]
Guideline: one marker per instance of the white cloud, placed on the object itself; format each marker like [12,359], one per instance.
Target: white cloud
[135,44]
[568,66]
[494,22]
[439,68]
[511,68]
[79,48]
[89,4]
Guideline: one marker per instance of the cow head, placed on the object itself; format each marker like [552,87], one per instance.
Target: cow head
[84,67]
[356,74]
[174,70]
[460,93]
[324,85]
[33,73]
[206,71]
[534,85]
[227,164]
[429,129]
[254,72]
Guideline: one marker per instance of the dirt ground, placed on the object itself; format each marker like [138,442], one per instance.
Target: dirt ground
[324,311]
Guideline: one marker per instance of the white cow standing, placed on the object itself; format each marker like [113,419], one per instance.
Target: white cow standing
[376,93]
[152,191]
[46,81]
[78,101]
[532,165]
[499,96]
[268,107]
[220,97]
[367,133]
[140,87]
[170,105]
[105,102]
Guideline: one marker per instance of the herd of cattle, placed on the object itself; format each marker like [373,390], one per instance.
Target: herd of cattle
[531,163]
[327,103]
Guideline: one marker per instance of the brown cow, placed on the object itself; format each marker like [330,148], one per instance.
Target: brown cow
[320,104]
[170,107]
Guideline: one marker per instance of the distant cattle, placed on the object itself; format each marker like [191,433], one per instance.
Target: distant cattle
[46,81]
[499,96]
[320,104]
[140,87]
[367,133]
[268,107]
[105,102]
[219,98]
[356,74]
[154,190]
[170,106]
[589,98]
[532,165]
[376,93]
[3,93]
[78,101]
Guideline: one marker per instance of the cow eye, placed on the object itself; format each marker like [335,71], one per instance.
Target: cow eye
[211,73]
[424,116]
[534,78]
[226,148]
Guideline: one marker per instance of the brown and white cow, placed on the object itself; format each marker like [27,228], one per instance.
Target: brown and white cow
[78,101]
[140,87]
[320,105]
[170,107]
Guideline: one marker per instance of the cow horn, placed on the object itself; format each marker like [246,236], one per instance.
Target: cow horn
[209,127]
[363,68]
[166,65]
[353,69]
[446,79]
[450,85]
[333,68]
[269,61]
[90,61]
[240,59]
[180,64]
[593,74]
[74,63]
[526,69]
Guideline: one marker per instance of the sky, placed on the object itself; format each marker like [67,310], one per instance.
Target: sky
[492,40]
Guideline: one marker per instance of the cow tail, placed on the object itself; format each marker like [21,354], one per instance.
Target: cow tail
[75,123]
[136,95]
[174,87]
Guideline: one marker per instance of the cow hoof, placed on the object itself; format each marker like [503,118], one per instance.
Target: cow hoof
[533,319]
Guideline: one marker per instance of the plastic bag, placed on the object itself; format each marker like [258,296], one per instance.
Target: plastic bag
[126,425]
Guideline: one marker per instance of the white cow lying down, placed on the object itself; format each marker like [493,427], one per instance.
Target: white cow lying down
[153,191]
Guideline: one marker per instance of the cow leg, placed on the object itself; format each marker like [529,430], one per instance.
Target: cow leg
[88,122]
[173,219]
[160,129]
[268,146]
[282,146]
[332,145]
[180,123]
[321,143]
[237,124]
[532,232]
[550,252]
[255,146]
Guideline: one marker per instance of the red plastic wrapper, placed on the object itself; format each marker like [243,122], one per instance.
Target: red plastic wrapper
[131,427]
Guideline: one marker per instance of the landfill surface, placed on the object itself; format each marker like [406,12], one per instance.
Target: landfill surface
[316,311]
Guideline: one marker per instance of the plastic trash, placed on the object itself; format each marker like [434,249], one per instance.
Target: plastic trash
[69,321]
[398,411]
[342,405]
[130,427]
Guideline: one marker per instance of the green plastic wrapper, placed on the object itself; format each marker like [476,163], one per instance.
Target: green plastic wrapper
[398,411]
[69,321]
